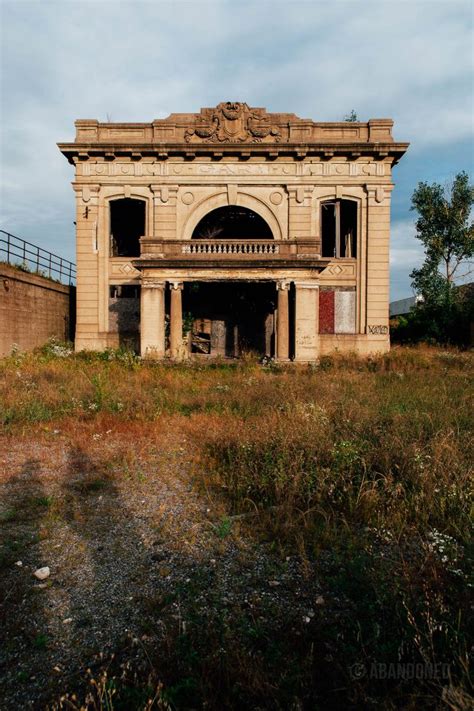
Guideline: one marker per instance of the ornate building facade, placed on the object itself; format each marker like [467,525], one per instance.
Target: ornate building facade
[233,230]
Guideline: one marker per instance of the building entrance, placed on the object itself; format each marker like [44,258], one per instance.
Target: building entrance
[231,318]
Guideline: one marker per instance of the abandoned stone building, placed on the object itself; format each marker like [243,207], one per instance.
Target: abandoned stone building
[233,230]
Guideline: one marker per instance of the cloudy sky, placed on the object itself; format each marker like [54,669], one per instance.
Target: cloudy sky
[143,59]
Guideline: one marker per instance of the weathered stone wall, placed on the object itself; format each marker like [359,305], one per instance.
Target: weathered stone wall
[279,166]
[32,309]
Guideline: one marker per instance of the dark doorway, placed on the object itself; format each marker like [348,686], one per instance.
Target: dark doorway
[127,225]
[231,318]
[339,228]
[232,222]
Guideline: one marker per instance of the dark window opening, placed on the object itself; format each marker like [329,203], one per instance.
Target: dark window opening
[339,228]
[127,225]
[232,222]
[124,291]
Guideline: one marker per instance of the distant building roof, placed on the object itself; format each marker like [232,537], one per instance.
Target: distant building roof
[403,306]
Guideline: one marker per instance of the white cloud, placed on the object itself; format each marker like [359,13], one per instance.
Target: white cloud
[144,59]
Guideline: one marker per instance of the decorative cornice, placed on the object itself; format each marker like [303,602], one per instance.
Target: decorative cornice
[236,128]
[243,151]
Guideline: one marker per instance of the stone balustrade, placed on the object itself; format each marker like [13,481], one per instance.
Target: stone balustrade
[227,249]
[230,247]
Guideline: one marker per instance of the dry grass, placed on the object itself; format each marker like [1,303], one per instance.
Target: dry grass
[358,470]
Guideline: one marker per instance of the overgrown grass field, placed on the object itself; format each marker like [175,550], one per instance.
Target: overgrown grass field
[338,498]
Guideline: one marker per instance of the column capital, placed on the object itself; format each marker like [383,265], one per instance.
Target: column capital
[379,193]
[306,285]
[177,285]
[164,192]
[299,193]
[86,191]
[283,285]
[150,283]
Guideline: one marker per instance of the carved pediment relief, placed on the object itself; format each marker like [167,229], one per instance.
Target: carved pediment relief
[233,122]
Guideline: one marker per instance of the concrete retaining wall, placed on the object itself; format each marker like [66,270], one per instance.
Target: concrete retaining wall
[32,309]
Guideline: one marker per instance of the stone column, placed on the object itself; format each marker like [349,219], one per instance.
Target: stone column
[283,325]
[176,320]
[152,319]
[306,322]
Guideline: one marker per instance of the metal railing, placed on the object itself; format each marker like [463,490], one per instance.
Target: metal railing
[30,258]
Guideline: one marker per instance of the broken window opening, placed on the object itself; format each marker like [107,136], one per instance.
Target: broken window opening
[124,291]
[232,222]
[127,225]
[339,228]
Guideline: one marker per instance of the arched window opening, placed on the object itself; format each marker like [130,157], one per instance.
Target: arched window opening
[339,228]
[127,225]
[232,222]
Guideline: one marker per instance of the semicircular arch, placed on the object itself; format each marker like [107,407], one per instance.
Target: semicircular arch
[220,199]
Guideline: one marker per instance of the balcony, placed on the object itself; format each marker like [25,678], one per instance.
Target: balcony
[229,249]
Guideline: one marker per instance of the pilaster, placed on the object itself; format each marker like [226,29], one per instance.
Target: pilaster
[299,211]
[152,318]
[89,266]
[165,211]
[378,261]
[306,321]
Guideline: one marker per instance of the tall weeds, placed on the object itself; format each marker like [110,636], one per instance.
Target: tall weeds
[361,466]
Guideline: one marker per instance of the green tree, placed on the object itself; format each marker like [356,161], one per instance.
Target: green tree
[352,117]
[447,233]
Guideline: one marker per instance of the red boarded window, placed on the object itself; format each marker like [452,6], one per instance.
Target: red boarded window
[337,311]
[326,312]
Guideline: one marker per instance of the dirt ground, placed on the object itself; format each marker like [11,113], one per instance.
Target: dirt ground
[133,552]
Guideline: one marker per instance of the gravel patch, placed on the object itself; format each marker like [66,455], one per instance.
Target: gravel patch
[134,552]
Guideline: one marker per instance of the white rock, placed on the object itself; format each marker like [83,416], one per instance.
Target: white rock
[19,563]
[67,621]
[42,573]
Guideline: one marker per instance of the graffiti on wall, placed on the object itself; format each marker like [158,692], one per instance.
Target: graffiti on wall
[378,330]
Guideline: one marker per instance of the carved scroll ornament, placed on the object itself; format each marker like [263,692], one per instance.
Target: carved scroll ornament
[233,122]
